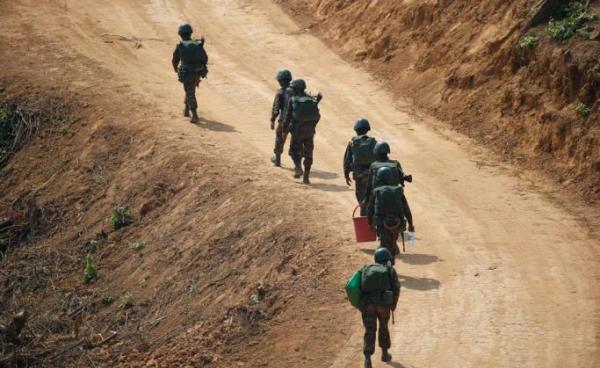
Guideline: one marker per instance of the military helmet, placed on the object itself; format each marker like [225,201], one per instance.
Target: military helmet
[381,148]
[382,255]
[362,124]
[185,28]
[284,75]
[298,85]
[384,175]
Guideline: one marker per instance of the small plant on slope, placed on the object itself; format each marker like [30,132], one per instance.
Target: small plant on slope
[120,217]
[583,110]
[90,272]
[529,41]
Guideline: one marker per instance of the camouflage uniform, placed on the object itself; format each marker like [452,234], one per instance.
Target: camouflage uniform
[279,103]
[302,142]
[190,73]
[360,175]
[372,312]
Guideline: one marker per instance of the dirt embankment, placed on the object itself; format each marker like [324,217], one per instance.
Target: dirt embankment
[492,69]
[215,268]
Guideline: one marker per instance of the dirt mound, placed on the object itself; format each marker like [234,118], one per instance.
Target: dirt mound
[493,69]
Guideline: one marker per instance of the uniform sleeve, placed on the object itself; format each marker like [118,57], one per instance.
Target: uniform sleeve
[348,160]
[276,110]
[176,57]
[406,210]
[286,116]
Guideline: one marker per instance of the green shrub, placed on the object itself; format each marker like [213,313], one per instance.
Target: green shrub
[120,217]
[572,17]
[583,110]
[529,41]
[90,272]
[136,245]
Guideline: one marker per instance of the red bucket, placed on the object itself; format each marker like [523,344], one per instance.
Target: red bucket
[363,231]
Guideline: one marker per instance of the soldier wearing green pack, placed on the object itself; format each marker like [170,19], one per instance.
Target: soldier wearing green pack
[283,95]
[358,159]
[389,212]
[189,62]
[302,115]
[380,292]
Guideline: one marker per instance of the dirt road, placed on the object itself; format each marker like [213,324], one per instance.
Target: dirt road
[500,278]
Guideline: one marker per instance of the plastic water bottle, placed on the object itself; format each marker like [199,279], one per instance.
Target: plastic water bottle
[409,239]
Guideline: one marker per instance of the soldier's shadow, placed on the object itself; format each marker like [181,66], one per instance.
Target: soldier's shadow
[330,187]
[396,365]
[419,283]
[418,259]
[216,126]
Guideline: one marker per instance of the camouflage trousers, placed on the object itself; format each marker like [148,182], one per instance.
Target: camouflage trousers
[280,138]
[302,146]
[360,190]
[370,315]
[189,86]
[388,237]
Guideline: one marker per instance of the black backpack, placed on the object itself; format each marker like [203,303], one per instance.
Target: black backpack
[192,53]
[362,150]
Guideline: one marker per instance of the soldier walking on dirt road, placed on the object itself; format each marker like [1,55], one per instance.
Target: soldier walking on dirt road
[189,62]
[358,159]
[302,115]
[284,77]
[389,212]
[381,290]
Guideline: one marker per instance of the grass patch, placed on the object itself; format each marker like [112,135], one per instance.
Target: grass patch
[583,110]
[136,245]
[120,217]
[106,298]
[529,41]
[126,301]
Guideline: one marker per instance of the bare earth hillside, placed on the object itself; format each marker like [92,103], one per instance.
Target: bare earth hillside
[227,261]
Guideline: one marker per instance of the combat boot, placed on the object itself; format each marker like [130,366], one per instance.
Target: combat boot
[385,356]
[368,363]
[186,111]
[276,160]
[306,179]
[298,172]
[195,117]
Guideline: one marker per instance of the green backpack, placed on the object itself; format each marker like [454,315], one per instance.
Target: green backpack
[393,165]
[389,201]
[362,150]
[305,109]
[192,52]
[354,289]
[377,285]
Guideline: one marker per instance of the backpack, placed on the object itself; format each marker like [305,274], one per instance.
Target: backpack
[354,289]
[362,150]
[389,201]
[192,52]
[376,284]
[397,175]
[305,109]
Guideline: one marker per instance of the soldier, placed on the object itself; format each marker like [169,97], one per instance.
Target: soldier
[358,159]
[381,290]
[389,212]
[381,152]
[284,77]
[193,58]
[301,115]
